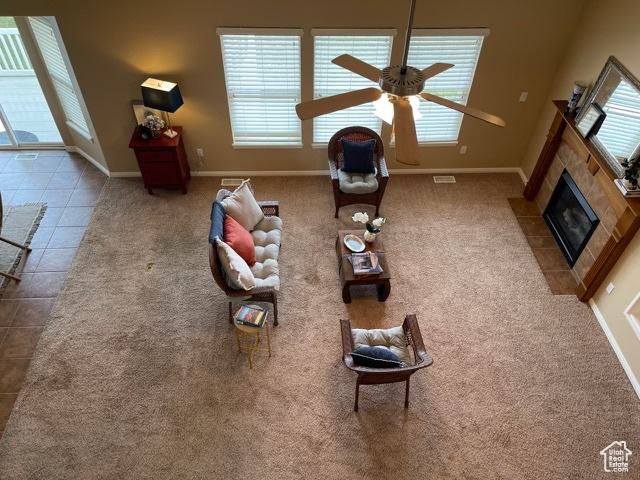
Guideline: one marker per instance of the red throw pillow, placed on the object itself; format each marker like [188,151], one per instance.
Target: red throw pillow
[238,238]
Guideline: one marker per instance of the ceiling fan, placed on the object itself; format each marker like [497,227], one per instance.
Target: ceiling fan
[399,83]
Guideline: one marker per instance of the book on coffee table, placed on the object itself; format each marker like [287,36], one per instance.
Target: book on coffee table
[365,263]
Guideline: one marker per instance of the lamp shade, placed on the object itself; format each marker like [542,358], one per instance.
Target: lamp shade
[161,95]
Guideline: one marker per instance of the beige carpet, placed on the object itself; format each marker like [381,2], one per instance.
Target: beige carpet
[137,374]
[19,224]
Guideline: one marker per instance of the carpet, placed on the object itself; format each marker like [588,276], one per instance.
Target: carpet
[19,224]
[137,374]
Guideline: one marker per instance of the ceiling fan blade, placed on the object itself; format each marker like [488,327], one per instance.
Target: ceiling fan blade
[435,69]
[322,106]
[356,65]
[487,117]
[404,128]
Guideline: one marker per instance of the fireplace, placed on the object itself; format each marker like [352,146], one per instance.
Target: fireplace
[570,218]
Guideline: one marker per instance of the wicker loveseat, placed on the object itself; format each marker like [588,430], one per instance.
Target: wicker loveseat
[266,238]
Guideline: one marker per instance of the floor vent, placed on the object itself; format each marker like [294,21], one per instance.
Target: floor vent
[444,179]
[231,182]
[26,156]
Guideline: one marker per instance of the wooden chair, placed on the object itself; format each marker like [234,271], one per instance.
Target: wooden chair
[10,242]
[356,134]
[370,376]
[256,294]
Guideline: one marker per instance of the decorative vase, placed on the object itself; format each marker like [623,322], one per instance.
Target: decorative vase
[628,185]
[369,236]
[156,133]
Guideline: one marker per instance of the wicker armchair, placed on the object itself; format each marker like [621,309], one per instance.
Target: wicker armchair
[356,134]
[256,294]
[370,376]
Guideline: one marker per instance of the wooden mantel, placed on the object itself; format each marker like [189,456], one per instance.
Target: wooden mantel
[627,210]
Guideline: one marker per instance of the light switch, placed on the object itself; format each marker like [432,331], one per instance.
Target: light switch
[610,288]
[523,96]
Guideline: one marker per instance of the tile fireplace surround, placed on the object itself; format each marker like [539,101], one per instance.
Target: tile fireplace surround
[619,216]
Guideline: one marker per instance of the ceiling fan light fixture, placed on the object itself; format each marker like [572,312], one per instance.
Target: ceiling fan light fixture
[383,108]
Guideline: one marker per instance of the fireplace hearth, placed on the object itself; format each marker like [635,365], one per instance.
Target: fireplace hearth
[570,218]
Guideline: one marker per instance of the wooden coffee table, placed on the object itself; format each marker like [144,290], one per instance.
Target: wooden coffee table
[382,281]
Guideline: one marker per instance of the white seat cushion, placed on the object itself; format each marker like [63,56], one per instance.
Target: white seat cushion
[357,182]
[266,239]
[391,338]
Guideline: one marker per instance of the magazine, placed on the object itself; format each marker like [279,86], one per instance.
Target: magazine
[365,263]
[253,315]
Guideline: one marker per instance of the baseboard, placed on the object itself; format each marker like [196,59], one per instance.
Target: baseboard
[308,173]
[89,158]
[615,346]
[126,174]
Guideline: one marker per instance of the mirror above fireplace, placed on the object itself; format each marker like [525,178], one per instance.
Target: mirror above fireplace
[617,92]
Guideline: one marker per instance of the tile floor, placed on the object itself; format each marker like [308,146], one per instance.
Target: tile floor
[70,186]
[544,247]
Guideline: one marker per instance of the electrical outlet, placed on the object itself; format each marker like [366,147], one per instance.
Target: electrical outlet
[610,288]
[523,96]
[463,149]
[199,152]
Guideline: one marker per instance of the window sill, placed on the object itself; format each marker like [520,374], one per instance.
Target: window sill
[241,146]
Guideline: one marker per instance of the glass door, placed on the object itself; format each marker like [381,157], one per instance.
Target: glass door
[25,117]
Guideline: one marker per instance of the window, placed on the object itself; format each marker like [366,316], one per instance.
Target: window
[460,47]
[51,48]
[262,73]
[371,46]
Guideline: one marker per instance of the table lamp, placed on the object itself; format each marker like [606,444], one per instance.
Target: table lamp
[164,96]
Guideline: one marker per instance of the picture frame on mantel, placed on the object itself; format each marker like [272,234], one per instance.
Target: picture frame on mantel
[591,120]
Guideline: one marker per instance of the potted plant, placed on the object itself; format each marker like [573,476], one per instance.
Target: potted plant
[631,173]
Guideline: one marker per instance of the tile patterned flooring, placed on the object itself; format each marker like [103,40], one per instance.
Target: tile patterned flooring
[70,186]
[544,247]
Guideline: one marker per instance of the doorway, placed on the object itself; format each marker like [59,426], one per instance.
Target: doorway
[25,117]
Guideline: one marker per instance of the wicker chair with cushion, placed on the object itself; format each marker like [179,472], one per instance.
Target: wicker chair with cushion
[357,187]
[265,239]
[404,343]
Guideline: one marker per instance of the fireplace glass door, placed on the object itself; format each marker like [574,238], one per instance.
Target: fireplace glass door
[570,218]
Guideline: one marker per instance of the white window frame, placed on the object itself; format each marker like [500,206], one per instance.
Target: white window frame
[63,79]
[291,84]
[437,85]
[330,79]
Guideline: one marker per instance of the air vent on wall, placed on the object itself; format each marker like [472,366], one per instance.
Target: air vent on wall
[26,156]
[444,179]
[231,182]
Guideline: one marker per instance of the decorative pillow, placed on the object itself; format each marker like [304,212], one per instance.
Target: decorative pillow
[376,357]
[239,238]
[217,222]
[242,206]
[358,156]
[237,269]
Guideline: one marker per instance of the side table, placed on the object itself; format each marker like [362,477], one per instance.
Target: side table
[249,343]
[162,161]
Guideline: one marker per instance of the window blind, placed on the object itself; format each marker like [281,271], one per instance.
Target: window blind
[262,74]
[373,47]
[620,132]
[460,47]
[57,68]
